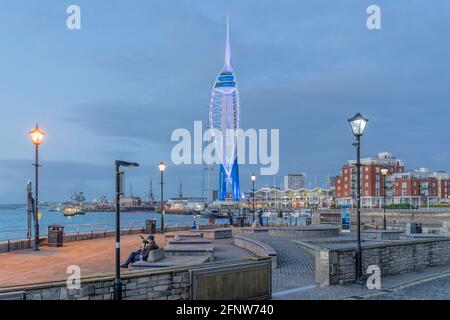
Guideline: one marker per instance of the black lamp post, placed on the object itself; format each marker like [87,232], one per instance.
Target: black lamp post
[162,167]
[253,177]
[36,136]
[358,124]
[384,173]
[117,281]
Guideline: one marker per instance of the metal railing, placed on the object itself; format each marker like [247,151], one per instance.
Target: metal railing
[71,229]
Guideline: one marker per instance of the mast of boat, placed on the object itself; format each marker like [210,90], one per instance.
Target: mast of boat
[181,189]
[151,196]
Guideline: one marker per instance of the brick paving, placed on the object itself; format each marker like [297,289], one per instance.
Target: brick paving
[295,265]
[437,289]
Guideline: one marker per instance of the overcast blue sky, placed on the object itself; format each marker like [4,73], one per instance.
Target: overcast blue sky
[139,69]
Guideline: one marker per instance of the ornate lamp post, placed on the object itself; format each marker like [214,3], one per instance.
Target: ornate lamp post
[358,124]
[36,137]
[119,174]
[253,177]
[384,173]
[162,167]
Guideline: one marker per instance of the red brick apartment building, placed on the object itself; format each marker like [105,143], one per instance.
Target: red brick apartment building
[412,187]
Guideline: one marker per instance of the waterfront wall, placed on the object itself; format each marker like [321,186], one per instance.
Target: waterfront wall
[396,220]
[337,266]
[249,280]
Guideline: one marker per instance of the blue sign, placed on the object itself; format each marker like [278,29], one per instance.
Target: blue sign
[345,218]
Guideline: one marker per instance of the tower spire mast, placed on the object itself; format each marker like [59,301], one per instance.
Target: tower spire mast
[228,66]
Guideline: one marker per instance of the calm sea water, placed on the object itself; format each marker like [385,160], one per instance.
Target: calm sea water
[16,221]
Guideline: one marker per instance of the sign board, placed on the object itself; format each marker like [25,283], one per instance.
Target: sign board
[345,218]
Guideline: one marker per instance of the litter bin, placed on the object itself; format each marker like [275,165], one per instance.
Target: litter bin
[55,236]
[150,226]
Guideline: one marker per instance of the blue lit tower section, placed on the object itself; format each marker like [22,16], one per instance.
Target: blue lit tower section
[224,120]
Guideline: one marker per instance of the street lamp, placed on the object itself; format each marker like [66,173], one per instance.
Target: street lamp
[117,281]
[162,167]
[384,173]
[36,137]
[253,177]
[358,124]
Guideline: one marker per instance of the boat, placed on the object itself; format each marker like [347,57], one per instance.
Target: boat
[211,215]
[73,210]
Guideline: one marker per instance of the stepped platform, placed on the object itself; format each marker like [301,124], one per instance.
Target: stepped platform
[191,241]
[190,250]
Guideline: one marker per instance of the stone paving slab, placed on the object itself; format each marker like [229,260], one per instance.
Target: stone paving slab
[295,266]
[428,283]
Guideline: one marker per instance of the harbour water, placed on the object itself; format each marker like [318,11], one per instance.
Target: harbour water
[13,223]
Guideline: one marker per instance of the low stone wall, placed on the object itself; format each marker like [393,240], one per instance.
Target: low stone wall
[338,266]
[305,232]
[160,284]
[256,247]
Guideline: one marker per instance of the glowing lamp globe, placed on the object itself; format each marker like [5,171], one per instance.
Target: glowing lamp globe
[162,167]
[358,124]
[37,135]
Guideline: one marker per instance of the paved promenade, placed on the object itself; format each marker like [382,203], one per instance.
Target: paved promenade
[294,279]
[94,257]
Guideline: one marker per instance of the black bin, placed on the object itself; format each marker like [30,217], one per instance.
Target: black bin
[55,236]
[150,226]
[416,227]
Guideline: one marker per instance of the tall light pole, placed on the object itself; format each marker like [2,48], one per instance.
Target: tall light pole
[36,136]
[384,173]
[253,177]
[358,124]
[162,167]
[119,174]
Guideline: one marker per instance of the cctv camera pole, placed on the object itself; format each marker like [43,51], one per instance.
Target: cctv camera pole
[117,281]
[36,201]
[30,207]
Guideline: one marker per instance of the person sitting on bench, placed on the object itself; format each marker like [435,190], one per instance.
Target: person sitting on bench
[147,245]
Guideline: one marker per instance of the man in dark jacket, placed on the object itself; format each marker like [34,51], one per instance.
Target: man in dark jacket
[147,246]
[260,213]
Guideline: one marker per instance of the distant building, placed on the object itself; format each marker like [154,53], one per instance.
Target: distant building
[330,183]
[294,181]
[416,188]
[130,201]
[371,180]
[273,198]
[421,187]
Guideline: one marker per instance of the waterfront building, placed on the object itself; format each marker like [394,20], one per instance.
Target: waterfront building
[372,192]
[274,198]
[415,188]
[421,187]
[295,181]
[224,119]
